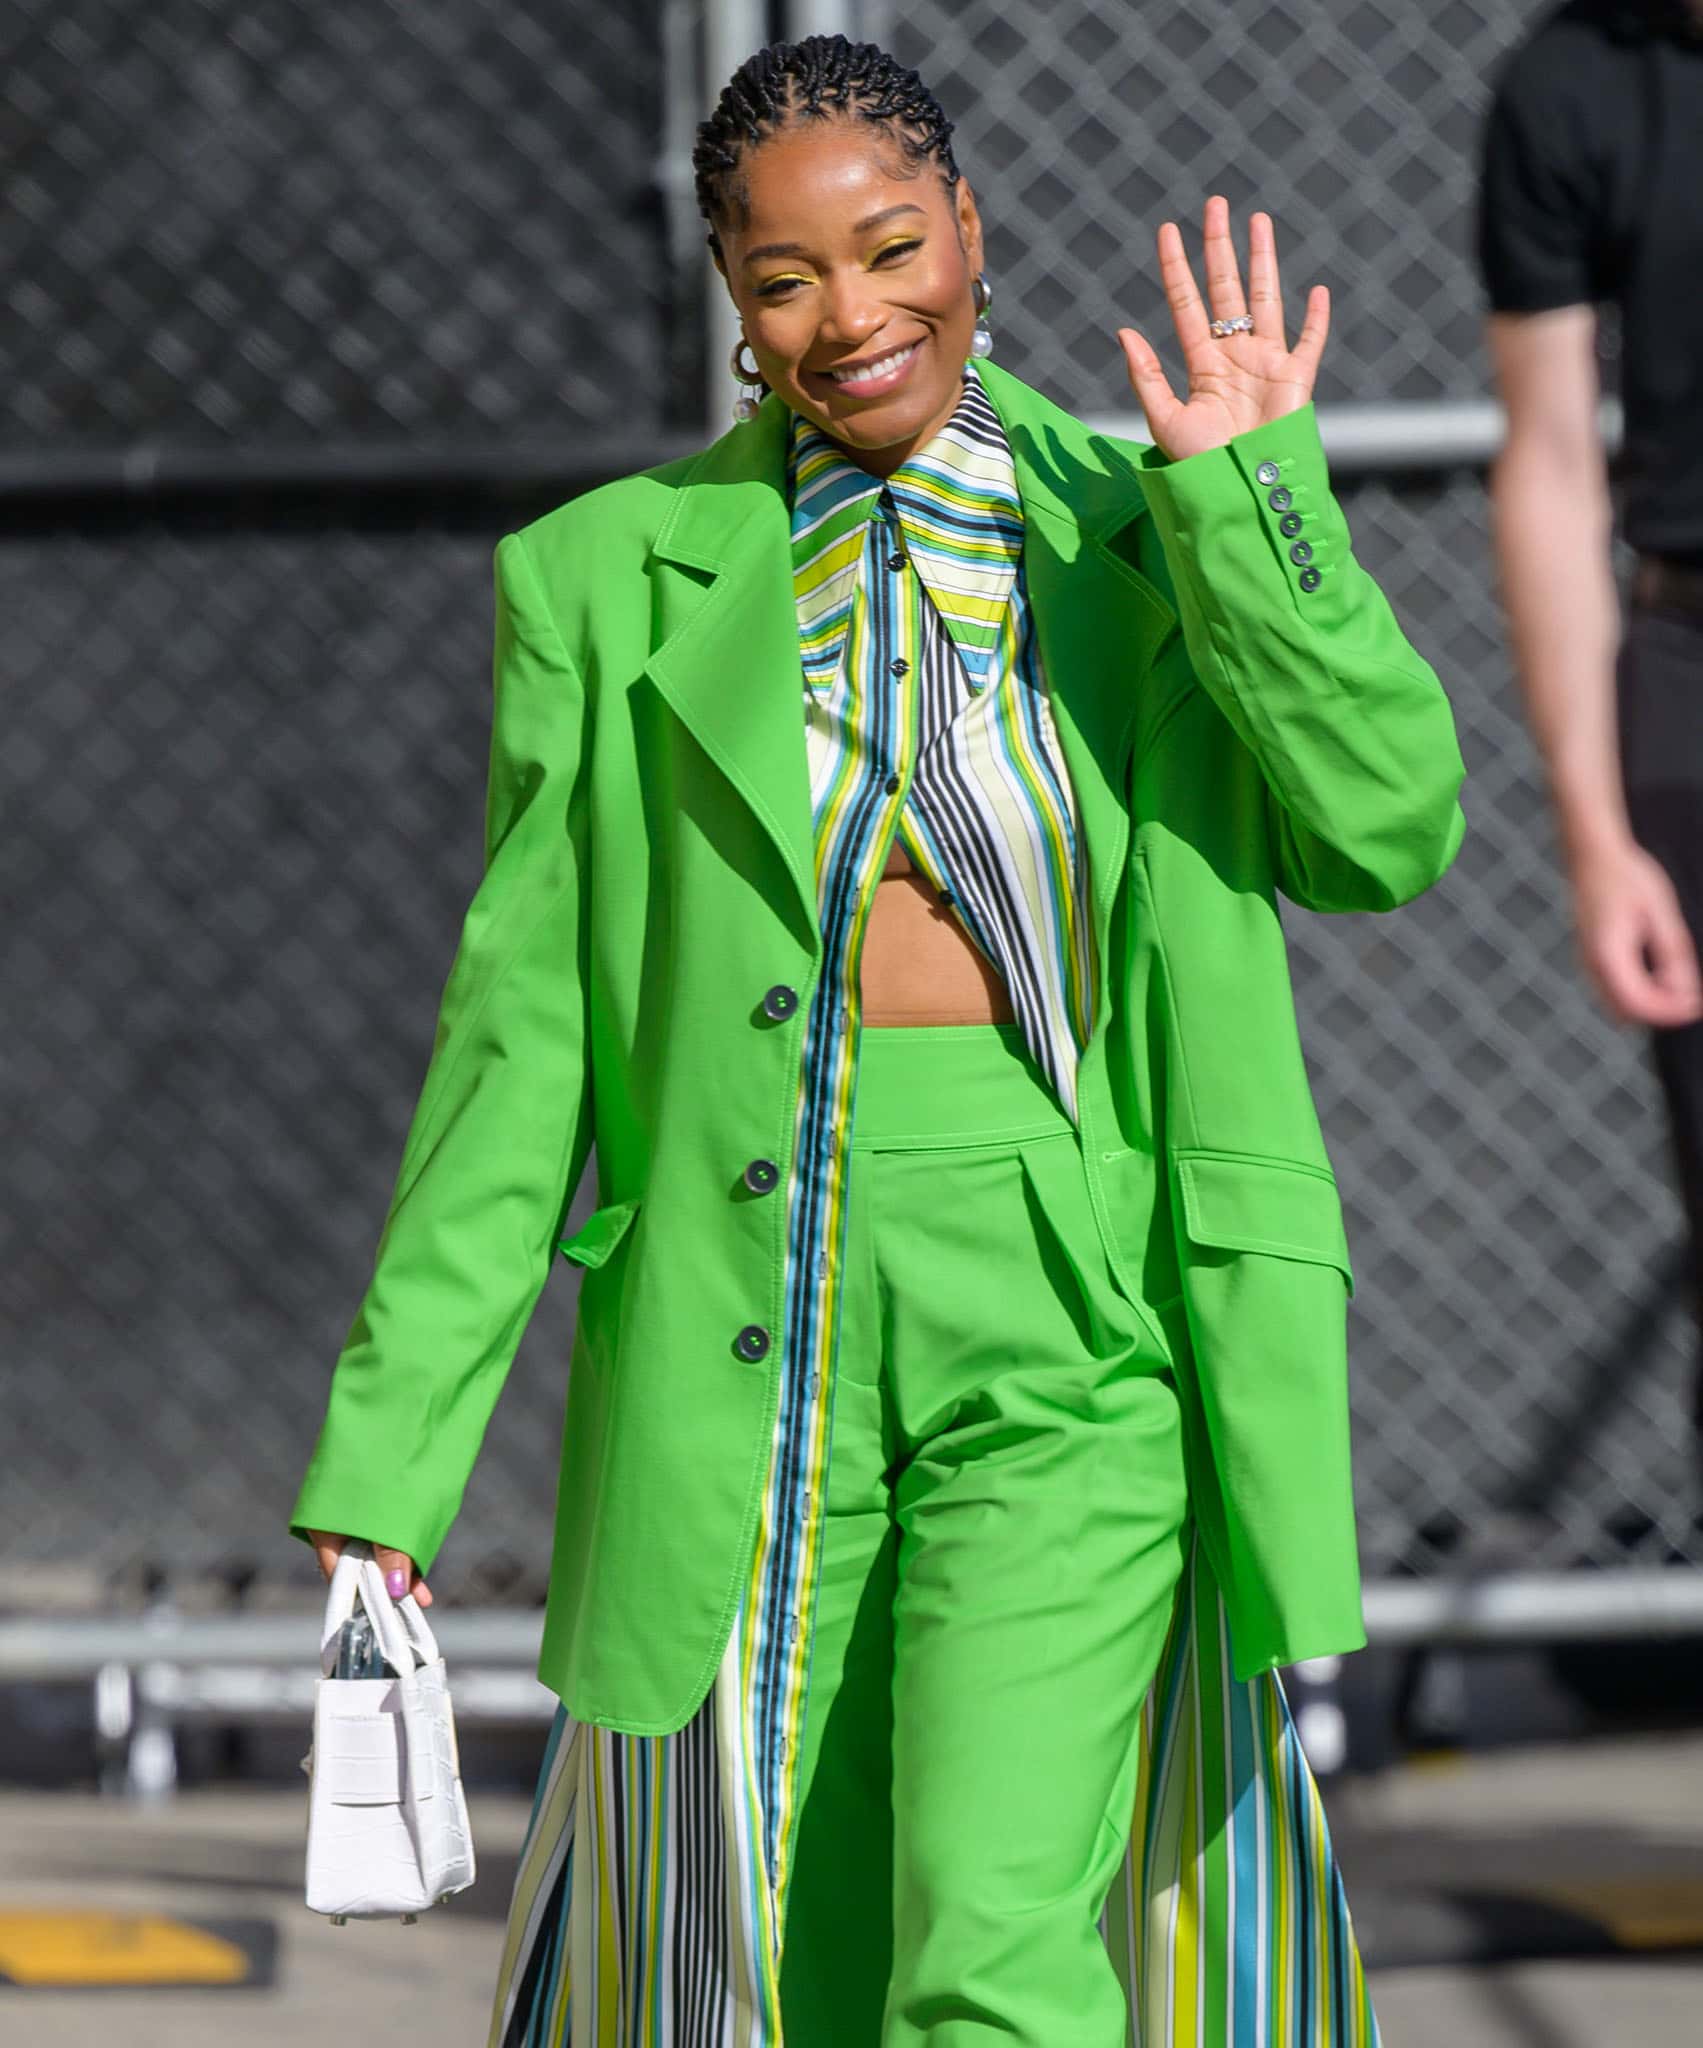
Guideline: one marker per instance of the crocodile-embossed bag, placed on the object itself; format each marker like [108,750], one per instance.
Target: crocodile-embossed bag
[387,1830]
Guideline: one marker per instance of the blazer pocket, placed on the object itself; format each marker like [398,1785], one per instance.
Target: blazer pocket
[1251,1202]
[599,1234]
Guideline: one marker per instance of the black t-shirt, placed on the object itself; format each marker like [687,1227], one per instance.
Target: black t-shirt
[1592,191]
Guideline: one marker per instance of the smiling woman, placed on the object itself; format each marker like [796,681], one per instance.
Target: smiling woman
[956,1439]
[848,239]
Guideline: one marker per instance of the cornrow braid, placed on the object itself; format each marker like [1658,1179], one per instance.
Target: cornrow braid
[815,79]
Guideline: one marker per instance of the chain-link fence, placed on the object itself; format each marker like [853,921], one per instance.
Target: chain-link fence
[1521,1345]
[245,750]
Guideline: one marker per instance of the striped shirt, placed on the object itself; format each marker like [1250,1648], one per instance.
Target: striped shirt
[924,696]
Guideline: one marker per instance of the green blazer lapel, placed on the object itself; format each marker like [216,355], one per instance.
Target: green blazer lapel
[728,658]
[1099,620]
[728,661]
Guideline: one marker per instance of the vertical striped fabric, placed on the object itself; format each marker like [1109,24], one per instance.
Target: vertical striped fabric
[1228,1923]
[652,1883]
[989,816]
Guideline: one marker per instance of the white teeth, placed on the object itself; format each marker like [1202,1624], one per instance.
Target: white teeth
[878,368]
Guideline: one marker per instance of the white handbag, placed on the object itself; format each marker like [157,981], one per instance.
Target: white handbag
[387,1830]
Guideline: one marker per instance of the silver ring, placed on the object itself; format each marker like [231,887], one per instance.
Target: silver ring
[1242,324]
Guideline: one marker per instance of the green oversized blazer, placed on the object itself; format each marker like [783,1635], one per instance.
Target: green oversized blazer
[649,904]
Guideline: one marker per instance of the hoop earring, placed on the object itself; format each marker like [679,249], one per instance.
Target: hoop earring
[981,342]
[745,406]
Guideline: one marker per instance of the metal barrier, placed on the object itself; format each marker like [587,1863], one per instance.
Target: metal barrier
[159,1673]
[253,478]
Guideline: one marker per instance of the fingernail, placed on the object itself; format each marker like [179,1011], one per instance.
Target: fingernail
[397,1583]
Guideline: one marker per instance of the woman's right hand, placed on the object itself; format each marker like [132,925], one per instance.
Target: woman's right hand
[398,1567]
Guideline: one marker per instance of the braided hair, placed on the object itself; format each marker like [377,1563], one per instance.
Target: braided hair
[816,79]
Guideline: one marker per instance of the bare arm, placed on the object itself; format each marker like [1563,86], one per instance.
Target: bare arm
[1549,497]
[1552,521]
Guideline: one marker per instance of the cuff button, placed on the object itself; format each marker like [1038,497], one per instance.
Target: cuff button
[1268,473]
[1301,551]
[1310,579]
[1281,499]
[1290,524]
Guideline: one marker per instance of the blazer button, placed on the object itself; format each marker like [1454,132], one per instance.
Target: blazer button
[752,1341]
[780,1001]
[1290,524]
[1301,551]
[1281,499]
[1268,473]
[762,1176]
[1309,579]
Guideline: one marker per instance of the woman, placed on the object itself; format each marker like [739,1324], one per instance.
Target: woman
[966,1244]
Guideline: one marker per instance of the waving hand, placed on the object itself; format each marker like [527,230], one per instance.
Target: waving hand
[1242,379]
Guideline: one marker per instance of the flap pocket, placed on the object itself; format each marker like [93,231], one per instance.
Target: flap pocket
[599,1234]
[1249,1202]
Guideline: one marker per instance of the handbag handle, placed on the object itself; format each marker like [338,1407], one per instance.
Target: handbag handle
[404,1635]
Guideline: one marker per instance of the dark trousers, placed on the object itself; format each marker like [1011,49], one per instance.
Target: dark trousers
[1661,743]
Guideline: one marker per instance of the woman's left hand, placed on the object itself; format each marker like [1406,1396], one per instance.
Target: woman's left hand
[1244,379]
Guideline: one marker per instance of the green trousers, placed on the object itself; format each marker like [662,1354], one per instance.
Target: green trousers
[1005,1530]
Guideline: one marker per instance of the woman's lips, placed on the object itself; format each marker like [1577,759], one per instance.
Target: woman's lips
[885,373]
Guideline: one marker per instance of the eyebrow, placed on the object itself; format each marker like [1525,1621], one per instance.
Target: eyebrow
[862,227]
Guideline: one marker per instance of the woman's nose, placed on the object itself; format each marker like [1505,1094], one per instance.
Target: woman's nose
[851,314]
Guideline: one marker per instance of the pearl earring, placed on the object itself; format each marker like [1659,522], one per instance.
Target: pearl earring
[981,342]
[745,406]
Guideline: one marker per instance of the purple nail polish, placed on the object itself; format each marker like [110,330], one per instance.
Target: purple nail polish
[397,1583]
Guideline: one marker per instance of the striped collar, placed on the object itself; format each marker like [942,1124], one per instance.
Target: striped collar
[957,504]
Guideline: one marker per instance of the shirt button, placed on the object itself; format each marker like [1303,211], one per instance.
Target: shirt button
[822,1263]
[780,1001]
[752,1341]
[1290,525]
[762,1176]
[1301,551]
[1310,579]
[1281,499]
[1268,472]
[894,784]
[899,666]
[897,561]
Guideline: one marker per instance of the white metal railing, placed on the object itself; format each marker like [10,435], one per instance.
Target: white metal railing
[1498,1608]
[158,1671]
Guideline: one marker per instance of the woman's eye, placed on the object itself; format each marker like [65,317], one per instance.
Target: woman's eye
[774,286]
[897,249]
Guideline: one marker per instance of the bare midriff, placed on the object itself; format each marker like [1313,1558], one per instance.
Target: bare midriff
[918,964]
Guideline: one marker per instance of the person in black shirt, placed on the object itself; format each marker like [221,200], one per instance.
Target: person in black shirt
[1591,195]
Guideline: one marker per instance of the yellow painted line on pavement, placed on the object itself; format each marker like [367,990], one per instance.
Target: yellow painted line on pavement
[70,1948]
[1638,1912]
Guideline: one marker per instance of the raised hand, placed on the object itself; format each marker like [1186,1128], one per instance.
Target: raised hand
[1243,379]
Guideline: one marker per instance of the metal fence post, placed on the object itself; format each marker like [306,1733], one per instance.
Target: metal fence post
[733,29]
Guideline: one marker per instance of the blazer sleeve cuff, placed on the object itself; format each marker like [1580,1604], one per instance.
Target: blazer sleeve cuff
[1272,481]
